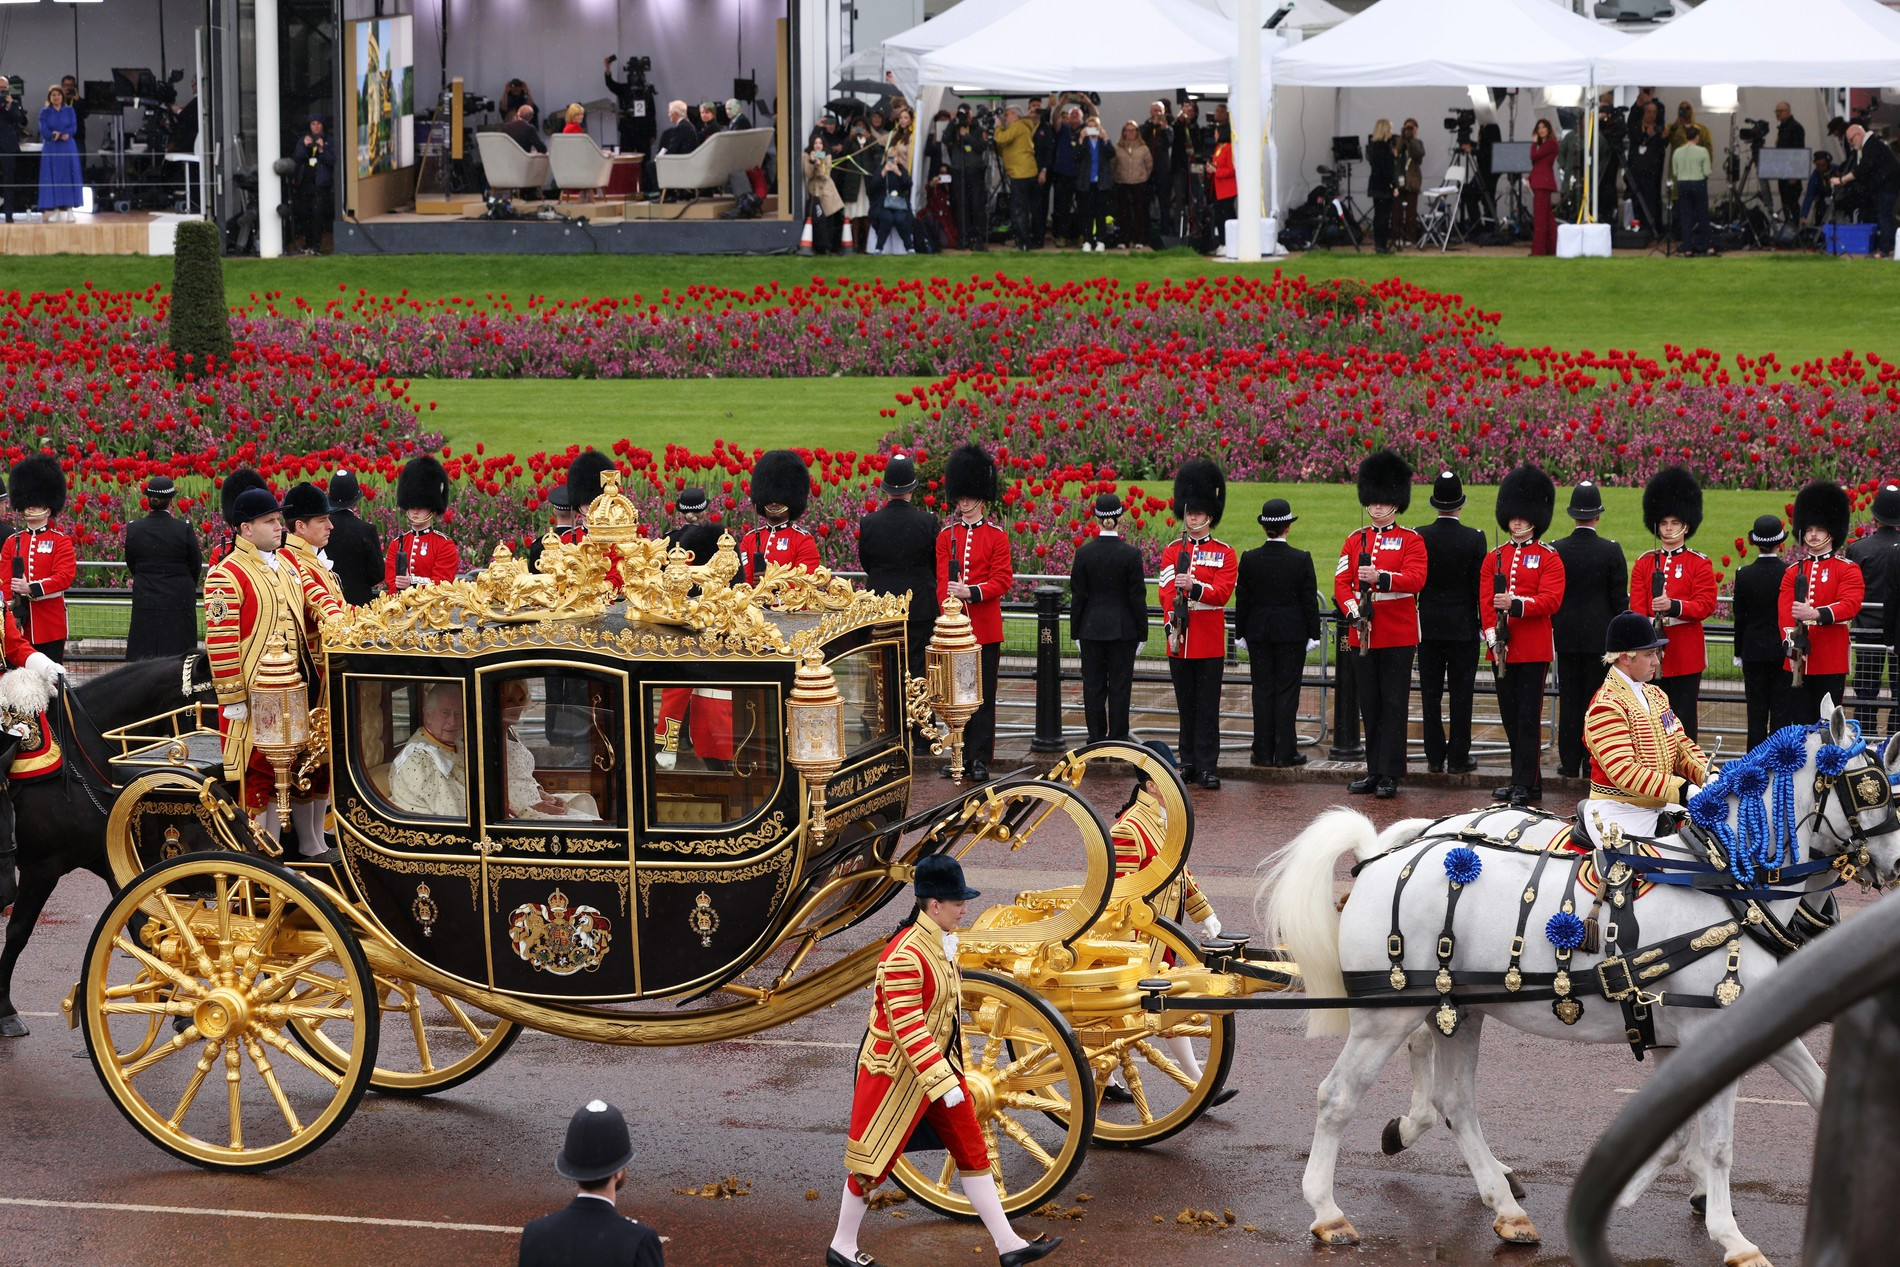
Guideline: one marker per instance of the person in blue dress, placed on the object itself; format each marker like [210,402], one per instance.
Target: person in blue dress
[60,172]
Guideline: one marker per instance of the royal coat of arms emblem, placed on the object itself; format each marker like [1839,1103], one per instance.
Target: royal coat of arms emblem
[559,938]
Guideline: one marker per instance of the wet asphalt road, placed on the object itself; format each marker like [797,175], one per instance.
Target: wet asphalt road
[770,1110]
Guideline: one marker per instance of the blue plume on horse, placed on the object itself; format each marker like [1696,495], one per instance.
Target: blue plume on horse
[1565,931]
[1463,864]
[1758,838]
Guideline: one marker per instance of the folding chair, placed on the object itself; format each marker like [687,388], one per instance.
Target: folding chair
[1441,202]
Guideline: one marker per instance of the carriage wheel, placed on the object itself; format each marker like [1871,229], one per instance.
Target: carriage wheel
[1022,1064]
[237,950]
[1166,1099]
[431,1042]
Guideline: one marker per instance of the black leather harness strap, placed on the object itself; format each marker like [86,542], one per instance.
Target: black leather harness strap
[1395,940]
[1514,976]
[1446,1017]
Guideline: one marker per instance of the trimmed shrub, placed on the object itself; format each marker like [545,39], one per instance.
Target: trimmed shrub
[200,322]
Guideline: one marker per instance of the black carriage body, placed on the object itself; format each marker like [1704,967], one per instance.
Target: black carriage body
[679,854]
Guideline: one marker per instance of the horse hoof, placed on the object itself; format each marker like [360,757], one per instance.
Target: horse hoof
[1753,1258]
[1516,1229]
[13,1027]
[1337,1232]
[1393,1141]
[1517,1185]
[1699,1205]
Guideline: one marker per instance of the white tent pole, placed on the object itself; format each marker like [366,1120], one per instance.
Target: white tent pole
[1249,150]
[270,144]
[1586,214]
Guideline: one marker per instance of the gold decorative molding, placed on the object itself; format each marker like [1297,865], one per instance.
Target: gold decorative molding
[499,871]
[780,862]
[398,837]
[427,868]
[725,846]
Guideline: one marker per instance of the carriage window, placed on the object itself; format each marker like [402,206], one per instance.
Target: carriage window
[411,744]
[864,684]
[560,731]
[712,752]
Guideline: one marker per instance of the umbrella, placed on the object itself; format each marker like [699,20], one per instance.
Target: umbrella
[882,90]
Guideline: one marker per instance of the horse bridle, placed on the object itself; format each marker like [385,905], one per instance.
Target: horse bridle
[1859,791]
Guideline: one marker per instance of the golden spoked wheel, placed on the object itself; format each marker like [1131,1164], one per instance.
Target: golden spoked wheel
[1022,1065]
[431,1042]
[239,950]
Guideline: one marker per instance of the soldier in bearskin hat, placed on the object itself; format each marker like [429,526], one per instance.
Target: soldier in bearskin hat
[356,548]
[976,566]
[1596,588]
[781,485]
[421,554]
[583,486]
[1108,618]
[1526,589]
[1820,596]
[897,548]
[1675,587]
[39,562]
[1198,575]
[1757,615]
[1381,570]
[1878,554]
[1448,628]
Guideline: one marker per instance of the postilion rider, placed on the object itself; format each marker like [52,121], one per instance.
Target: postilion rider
[1642,762]
[27,750]
[910,1071]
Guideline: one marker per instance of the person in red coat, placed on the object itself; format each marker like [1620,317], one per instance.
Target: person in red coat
[1820,596]
[422,554]
[1198,574]
[1226,188]
[975,566]
[1676,586]
[1543,188]
[1514,611]
[39,563]
[781,485]
[1381,569]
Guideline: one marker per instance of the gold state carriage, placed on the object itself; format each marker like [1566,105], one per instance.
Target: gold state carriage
[679,792]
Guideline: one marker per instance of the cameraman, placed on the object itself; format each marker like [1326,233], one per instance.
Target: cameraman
[316,174]
[1610,146]
[1877,172]
[968,150]
[12,129]
[638,123]
[1064,161]
[1789,135]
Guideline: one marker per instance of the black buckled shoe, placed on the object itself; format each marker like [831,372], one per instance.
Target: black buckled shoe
[834,1259]
[1208,779]
[1115,1093]
[1509,794]
[1043,1246]
[1386,790]
[1359,787]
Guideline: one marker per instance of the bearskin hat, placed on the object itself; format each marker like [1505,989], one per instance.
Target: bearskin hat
[423,485]
[236,483]
[1200,486]
[780,478]
[583,478]
[1823,504]
[305,501]
[970,472]
[1385,477]
[1672,491]
[1527,493]
[38,481]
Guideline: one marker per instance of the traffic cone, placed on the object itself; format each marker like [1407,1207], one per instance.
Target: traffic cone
[849,240]
[804,239]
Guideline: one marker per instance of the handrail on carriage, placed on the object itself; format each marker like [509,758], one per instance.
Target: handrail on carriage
[136,740]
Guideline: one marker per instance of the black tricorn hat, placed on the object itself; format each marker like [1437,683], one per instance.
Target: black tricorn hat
[1200,486]
[1448,491]
[1672,491]
[1823,504]
[691,501]
[941,876]
[1887,505]
[1586,501]
[598,1144]
[970,472]
[781,479]
[344,490]
[583,477]
[1767,531]
[423,485]
[1108,506]
[1631,631]
[1385,477]
[900,473]
[236,484]
[1527,493]
[38,481]
[305,501]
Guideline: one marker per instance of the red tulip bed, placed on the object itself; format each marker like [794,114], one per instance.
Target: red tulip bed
[1077,387]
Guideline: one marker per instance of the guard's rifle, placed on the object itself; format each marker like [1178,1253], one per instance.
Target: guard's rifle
[1657,578]
[1501,634]
[402,555]
[1799,644]
[1363,621]
[760,541]
[1177,619]
[22,605]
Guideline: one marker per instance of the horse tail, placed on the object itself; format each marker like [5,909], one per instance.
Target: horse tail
[1300,908]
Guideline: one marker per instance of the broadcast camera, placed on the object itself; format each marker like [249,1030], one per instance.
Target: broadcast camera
[475,103]
[637,71]
[1461,121]
[1754,132]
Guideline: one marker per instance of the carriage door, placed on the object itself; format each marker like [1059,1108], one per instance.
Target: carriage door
[555,827]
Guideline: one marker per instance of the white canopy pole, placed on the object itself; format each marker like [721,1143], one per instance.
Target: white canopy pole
[270,145]
[1249,150]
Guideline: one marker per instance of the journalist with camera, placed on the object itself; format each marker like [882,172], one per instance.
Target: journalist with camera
[1789,135]
[12,131]
[1611,143]
[316,176]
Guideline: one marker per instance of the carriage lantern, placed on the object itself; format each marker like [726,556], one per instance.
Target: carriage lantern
[955,674]
[280,714]
[817,747]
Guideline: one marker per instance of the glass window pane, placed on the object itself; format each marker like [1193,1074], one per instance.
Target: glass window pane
[712,752]
[864,685]
[558,733]
[411,744]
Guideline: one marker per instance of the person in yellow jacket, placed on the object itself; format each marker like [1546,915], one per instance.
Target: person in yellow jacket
[1642,762]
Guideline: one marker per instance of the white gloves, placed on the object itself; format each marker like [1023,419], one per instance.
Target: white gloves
[1312,644]
[237,712]
[665,760]
[1240,644]
[47,669]
[950,947]
[1210,927]
[952,1097]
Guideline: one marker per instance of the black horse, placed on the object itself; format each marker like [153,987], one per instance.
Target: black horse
[60,821]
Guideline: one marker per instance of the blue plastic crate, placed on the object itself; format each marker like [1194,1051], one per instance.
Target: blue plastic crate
[1850,239]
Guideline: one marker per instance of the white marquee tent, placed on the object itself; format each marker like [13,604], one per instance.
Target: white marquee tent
[1765,44]
[1437,43]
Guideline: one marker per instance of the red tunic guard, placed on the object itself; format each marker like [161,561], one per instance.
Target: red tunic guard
[1214,569]
[1688,579]
[1837,588]
[978,555]
[1399,554]
[48,565]
[424,553]
[1535,574]
[787,545]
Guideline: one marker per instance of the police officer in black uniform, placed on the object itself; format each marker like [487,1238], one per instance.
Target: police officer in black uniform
[1448,628]
[560,520]
[163,560]
[897,548]
[1276,612]
[1596,588]
[590,1230]
[1108,618]
[691,505]
[1765,676]
[1878,554]
[356,548]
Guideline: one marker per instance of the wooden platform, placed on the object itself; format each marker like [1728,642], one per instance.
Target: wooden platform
[104,233]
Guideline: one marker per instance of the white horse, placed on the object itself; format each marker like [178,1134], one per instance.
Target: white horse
[1849,819]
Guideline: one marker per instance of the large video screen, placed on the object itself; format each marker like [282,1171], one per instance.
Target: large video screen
[385,95]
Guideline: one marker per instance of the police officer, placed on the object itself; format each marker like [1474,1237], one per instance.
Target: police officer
[1198,574]
[1820,596]
[38,563]
[1276,613]
[1448,628]
[162,558]
[422,554]
[781,486]
[590,1229]
[1878,554]
[356,548]
[1381,570]
[1675,586]
[897,548]
[1108,618]
[1596,587]
[976,566]
[691,506]
[1527,588]
[1757,605]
